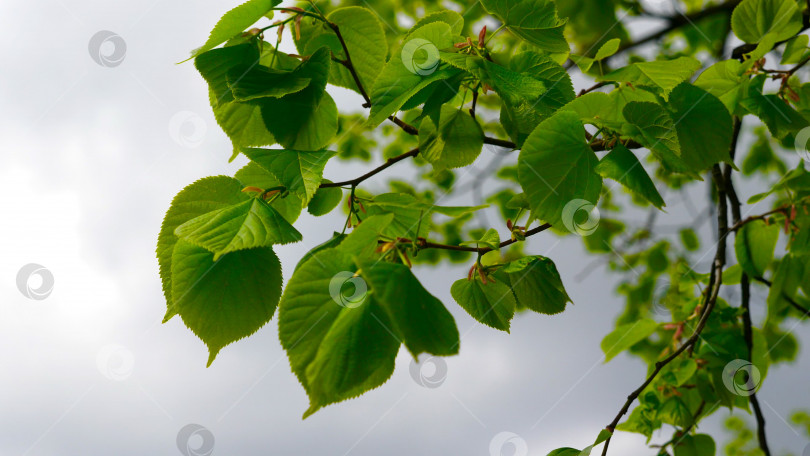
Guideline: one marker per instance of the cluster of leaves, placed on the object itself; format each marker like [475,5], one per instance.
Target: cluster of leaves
[353,300]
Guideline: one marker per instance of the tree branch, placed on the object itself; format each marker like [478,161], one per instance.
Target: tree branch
[357,180]
[787,298]
[424,244]
[715,281]
[676,22]
[745,289]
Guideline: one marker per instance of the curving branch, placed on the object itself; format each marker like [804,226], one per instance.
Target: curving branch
[715,282]
[358,180]
[424,244]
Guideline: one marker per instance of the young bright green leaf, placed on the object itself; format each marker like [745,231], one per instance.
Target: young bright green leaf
[492,304]
[627,335]
[335,333]
[753,19]
[362,241]
[535,21]
[235,22]
[607,49]
[411,213]
[623,167]
[754,245]
[725,81]
[456,142]
[661,74]
[203,196]
[489,239]
[703,124]
[299,171]
[242,123]
[363,35]
[557,166]
[224,300]
[410,69]
[419,320]
[253,175]
[786,281]
[449,17]
[537,284]
[305,120]
[324,200]
[249,224]
[795,50]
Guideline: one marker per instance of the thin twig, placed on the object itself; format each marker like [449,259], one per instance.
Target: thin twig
[357,180]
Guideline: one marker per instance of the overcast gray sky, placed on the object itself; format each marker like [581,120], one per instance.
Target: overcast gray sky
[90,157]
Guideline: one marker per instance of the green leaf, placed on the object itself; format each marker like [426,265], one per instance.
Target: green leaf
[535,21]
[223,301]
[243,123]
[753,19]
[780,118]
[623,167]
[324,200]
[492,304]
[419,320]
[690,239]
[704,127]
[754,244]
[537,284]
[786,281]
[235,22]
[364,37]
[625,336]
[651,125]
[215,65]
[305,120]
[299,171]
[449,17]
[253,175]
[795,50]
[397,82]
[246,225]
[411,213]
[248,82]
[607,49]
[456,142]
[725,81]
[335,334]
[695,445]
[661,74]
[203,196]
[556,166]
[489,239]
